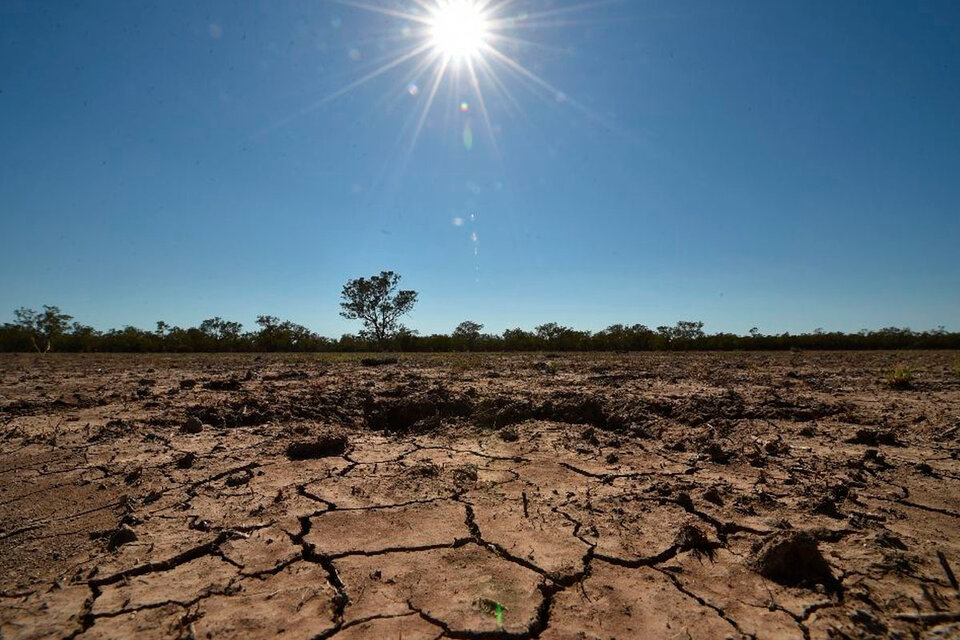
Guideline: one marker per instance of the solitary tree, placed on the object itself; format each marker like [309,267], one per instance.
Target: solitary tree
[43,327]
[376,301]
[467,333]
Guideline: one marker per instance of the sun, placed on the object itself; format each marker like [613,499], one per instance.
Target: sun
[465,52]
[458,29]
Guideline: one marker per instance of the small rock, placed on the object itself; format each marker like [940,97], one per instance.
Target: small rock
[188,384]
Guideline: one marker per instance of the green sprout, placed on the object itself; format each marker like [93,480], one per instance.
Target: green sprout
[493,607]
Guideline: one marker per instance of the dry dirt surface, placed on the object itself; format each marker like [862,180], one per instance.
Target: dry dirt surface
[789,495]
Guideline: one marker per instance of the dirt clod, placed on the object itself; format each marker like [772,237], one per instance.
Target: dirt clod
[186,460]
[192,425]
[323,446]
[873,437]
[231,384]
[508,434]
[121,536]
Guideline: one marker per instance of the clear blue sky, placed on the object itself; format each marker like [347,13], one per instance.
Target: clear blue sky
[786,165]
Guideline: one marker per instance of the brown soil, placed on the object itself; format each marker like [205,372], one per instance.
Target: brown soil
[792,495]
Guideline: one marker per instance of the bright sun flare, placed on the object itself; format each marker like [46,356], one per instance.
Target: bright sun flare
[470,48]
[458,28]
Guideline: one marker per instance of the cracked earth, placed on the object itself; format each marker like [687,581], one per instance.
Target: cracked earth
[791,495]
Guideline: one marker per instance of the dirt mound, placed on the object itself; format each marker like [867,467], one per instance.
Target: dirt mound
[421,411]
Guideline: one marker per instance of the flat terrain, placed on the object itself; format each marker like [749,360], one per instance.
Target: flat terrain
[718,495]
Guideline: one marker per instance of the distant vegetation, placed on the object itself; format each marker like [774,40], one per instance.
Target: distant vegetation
[53,330]
[379,304]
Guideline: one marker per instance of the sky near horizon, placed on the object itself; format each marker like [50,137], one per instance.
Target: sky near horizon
[780,165]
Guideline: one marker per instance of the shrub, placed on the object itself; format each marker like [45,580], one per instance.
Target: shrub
[900,377]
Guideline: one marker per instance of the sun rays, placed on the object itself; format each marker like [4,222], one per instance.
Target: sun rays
[457,57]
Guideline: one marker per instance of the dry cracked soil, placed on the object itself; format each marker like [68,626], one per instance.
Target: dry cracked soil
[722,495]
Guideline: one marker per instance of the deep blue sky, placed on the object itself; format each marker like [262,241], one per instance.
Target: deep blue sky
[785,165]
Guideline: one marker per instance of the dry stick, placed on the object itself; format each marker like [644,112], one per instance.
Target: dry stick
[30,527]
[947,570]
[523,494]
[949,432]
[929,618]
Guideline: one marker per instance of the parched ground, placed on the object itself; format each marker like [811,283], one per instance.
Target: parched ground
[789,495]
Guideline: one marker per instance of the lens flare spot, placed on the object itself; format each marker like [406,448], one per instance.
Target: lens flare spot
[464,106]
[467,137]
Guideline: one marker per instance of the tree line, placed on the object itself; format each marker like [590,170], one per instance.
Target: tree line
[378,304]
[53,330]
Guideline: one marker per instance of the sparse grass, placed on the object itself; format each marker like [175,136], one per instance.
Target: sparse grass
[900,377]
[956,367]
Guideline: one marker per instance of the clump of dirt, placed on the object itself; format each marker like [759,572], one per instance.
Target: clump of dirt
[323,446]
[242,413]
[286,375]
[186,460]
[231,384]
[193,425]
[509,434]
[418,411]
[874,437]
[378,362]
[791,558]
[121,536]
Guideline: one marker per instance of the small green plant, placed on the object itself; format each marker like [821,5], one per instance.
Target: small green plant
[900,377]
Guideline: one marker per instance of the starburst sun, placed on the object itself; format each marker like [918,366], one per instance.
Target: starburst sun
[458,28]
[468,46]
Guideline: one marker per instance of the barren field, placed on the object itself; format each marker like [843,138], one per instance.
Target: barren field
[789,495]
